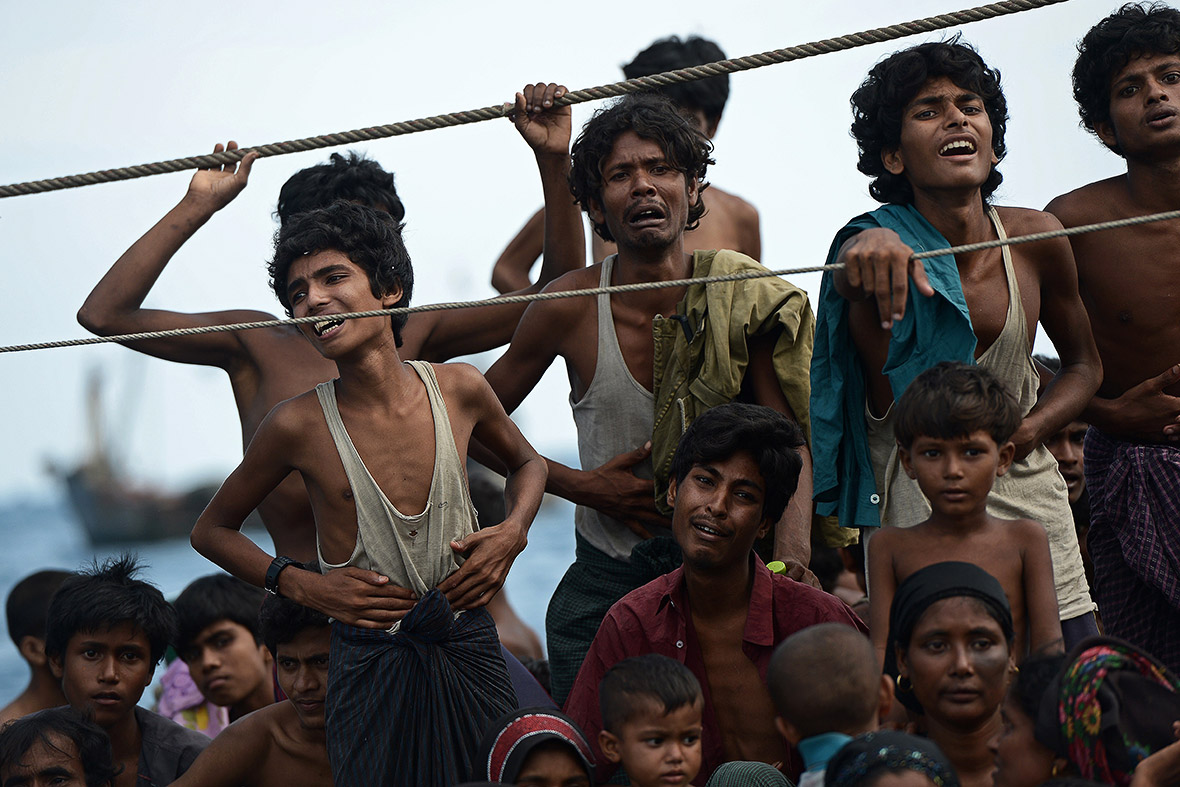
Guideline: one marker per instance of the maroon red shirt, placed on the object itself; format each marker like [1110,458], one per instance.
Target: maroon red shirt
[655,619]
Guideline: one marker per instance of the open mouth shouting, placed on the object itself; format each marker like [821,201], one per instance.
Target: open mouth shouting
[958,147]
[646,215]
[325,327]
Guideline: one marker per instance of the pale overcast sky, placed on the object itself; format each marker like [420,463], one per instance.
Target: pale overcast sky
[90,86]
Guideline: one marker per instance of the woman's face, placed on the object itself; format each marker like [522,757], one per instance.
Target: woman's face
[958,662]
[1021,760]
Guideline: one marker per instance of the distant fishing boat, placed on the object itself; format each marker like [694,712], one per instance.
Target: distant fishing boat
[114,510]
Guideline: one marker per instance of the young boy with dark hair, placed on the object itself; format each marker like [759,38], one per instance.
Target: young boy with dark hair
[58,747]
[929,122]
[954,428]
[651,720]
[828,688]
[283,744]
[380,451]
[26,610]
[722,612]
[1127,85]
[105,634]
[219,641]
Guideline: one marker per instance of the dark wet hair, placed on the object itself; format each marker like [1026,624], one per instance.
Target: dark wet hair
[353,178]
[953,399]
[865,759]
[636,683]
[101,597]
[94,746]
[281,619]
[846,701]
[652,117]
[1031,684]
[671,54]
[1135,30]
[767,434]
[28,604]
[212,598]
[879,103]
[370,238]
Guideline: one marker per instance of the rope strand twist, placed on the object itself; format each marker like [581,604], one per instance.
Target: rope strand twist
[550,296]
[826,46]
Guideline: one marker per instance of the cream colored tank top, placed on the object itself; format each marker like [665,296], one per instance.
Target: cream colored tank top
[1031,489]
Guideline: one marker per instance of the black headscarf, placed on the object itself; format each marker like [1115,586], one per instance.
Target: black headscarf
[864,758]
[922,589]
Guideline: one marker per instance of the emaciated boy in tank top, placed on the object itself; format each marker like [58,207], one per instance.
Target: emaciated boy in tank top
[929,122]
[415,676]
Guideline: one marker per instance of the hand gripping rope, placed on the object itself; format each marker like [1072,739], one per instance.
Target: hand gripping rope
[826,46]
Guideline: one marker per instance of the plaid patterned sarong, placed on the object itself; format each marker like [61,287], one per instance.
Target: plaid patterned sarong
[586,593]
[409,708]
[1135,541]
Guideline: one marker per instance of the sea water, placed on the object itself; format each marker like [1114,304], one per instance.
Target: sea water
[42,534]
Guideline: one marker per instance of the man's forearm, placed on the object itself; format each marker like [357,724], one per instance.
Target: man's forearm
[128,282]
[792,533]
[1063,400]
[565,243]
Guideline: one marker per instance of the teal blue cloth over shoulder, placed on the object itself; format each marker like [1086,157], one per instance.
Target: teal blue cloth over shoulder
[934,329]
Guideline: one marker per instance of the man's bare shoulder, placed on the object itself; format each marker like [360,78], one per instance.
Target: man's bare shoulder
[1025,221]
[1094,202]
[462,379]
[291,417]
[578,279]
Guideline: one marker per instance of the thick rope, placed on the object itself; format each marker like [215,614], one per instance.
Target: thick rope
[557,295]
[826,46]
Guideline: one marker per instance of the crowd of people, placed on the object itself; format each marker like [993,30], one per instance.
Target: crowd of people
[977,501]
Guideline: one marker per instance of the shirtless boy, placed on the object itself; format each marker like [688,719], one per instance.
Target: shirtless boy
[26,610]
[282,745]
[643,194]
[384,438]
[954,426]
[729,223]
[930,124]
[1127,85]
[268,365]
[721,613]
[105,634]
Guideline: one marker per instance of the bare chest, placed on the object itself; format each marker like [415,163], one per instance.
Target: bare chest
[741,702]
[986,291]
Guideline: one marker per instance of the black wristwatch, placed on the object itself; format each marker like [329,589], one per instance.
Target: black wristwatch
[272,574]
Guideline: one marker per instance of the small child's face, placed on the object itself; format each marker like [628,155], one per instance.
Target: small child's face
[104,672]
[46,762]
[956,474]
[226,663]
[658,748]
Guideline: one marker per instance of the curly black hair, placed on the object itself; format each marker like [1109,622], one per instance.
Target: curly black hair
[768,435]
[653,117]
[353,178]
[878,104]
[670,54]
[1133,31]
[370,238]
[56,724]
[108,594]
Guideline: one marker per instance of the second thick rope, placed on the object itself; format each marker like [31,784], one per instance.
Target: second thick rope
[550,296]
